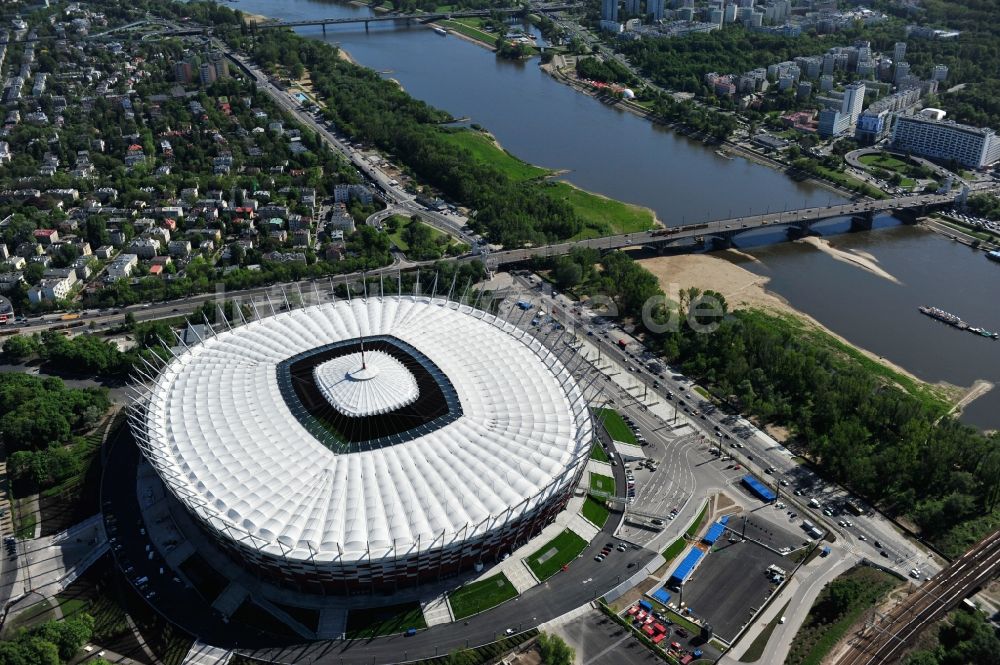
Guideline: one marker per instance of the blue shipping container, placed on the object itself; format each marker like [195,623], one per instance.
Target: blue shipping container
[683,571]
[661,596]
[645,604]
[714,533]
[759,489]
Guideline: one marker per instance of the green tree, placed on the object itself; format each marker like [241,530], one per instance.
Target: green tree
[19,347]
[554,650]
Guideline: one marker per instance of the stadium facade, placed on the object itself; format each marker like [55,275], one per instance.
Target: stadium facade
[368,444]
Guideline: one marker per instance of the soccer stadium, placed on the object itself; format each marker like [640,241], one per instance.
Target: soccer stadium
[366,444]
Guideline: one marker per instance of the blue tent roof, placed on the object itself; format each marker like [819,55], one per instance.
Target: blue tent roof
[682,571]
[713,533]
[759,489]
[661,596]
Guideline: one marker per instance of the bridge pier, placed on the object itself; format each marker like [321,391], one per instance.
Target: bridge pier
[911,215]
[863,222]
[324,31]
[366,26]
[719,243]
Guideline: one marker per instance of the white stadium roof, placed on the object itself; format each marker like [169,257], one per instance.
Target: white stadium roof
[225,441]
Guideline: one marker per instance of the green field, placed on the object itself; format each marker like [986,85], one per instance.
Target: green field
[602,216]
[850,182]
[482,595]
[597,453]
[884,161]
[616,427]
[555,554]
[595,511]
[390,620]
[397,236]
[485,150]
[602,483]
[469,28]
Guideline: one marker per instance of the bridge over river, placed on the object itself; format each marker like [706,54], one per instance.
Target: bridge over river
[720,233]
[422,17]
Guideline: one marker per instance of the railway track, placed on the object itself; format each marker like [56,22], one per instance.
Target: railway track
[887,641]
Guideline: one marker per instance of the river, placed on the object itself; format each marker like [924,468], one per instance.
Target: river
[620,155]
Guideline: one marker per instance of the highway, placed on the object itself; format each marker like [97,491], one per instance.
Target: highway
[888,639]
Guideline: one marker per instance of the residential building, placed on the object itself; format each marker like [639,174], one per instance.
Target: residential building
[972,147]
[609,10]
[122,266]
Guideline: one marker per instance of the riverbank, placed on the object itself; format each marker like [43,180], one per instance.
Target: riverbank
[467,33]
[743,289]
[555,70]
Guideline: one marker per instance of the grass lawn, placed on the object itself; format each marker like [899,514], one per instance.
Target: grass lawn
[24,525]
[757,646]
[485,150]
[615,426]
[34,615]
[482,595]
[602,483]
[555,554]
[824,626]
[595,511]
[601,216]
[597,453]
[850,182]
[390,620]
[461,26]
[397,236]
[887,162]
[693,529]
[674,550]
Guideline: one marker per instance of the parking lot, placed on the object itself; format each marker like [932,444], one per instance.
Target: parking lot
[761,527]
[731,585]
[598,640]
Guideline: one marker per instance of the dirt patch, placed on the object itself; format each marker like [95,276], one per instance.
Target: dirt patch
[639,591]
[723,503]
[777,432]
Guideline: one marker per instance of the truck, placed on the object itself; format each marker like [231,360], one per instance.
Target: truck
[70,317]
[622,343]
[524,304]
[852,506]
[814,503]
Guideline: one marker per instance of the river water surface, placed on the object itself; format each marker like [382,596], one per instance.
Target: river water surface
[620,155]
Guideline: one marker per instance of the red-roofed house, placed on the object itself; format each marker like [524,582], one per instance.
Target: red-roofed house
[46,236]
[156,270]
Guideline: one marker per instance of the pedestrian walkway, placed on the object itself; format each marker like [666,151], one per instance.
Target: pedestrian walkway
[572,519]
[231,598]
[602,468]
[205,654]
[437,611]
[332,623]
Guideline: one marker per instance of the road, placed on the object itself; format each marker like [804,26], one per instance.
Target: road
[394,194]
[888,639]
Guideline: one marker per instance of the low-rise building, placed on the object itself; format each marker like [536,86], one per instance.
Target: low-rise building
[122,266]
